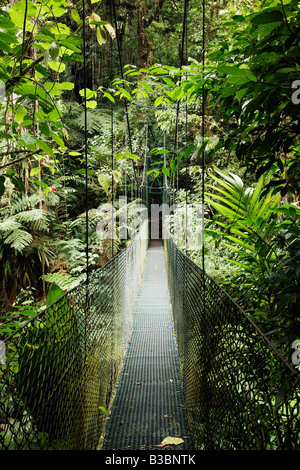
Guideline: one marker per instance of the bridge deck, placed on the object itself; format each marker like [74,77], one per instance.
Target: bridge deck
[149,402]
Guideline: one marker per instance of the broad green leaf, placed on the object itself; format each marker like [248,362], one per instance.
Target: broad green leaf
[67,44]
[146,86]
[158,101]
[105,181]
[116,175]
[232,70]
[173,166]
[83,171]
[54,51]
[108,95]
[66,86]
[28,140]
[58,67]
[91,104]
[35,171]
[27,313]
[44,146]
[89,93]
[168,81]
[58,10]
[126,154]
[241,93]
[76,17]
[125,93]
[268,15]
[101,35]
[54,293]
[58,140]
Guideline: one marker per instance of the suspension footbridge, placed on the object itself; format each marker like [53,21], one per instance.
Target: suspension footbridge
[150,348]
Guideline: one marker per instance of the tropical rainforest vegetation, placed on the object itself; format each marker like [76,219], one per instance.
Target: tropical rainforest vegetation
[135,74]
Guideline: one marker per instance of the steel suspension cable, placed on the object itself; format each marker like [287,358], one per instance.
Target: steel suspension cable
[203,129]
[122,77]
[112,151]
[181,65]
[86,309]
[85,143]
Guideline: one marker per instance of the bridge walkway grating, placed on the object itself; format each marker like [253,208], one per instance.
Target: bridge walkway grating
[148,405]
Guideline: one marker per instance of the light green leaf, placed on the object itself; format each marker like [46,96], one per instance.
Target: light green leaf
[44,146]
[91,104]
[125,93]
[58,140]
[108,95]
[126,154]
[58,67]
[89,93]
[158,101]
[101,35]
[101,407]
[54,294]
[146,86]
[66,86]
[76,17]
[35,171]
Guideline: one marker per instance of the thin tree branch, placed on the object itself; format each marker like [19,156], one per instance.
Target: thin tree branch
[18,160]
[10,83]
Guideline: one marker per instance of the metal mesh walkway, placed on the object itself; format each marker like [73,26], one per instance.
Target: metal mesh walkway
[149,403]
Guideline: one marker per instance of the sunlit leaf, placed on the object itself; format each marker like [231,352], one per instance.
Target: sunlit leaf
[171,441]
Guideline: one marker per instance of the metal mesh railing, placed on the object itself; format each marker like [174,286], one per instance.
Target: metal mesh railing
[240,394]
[62,366]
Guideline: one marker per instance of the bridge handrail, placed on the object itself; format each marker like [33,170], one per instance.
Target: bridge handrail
[241,393]
[63,364]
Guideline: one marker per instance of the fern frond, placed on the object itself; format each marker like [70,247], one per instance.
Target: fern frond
[65,282]
[9,225]
[36,219]
[24,202]
[111,247]
[18,239]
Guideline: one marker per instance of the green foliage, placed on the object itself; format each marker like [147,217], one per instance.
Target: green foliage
[38,45]
[249,77]
[264,237]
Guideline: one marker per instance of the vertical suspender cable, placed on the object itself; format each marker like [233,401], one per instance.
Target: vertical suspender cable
[112,153]
[122,77]
[85,146]
[203,128]
[186,138]
[86,310]
[181,64]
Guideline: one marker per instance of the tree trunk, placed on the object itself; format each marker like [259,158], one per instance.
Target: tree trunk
[146,47]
